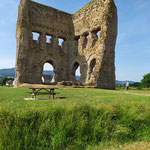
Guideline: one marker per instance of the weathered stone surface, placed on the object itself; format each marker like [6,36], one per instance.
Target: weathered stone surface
[70,83]
[83,45]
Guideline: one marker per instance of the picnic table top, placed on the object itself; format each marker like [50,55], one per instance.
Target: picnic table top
[38,86]
[43,88]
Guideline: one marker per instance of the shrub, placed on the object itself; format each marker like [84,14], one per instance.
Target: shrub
[146,81]
[3,81]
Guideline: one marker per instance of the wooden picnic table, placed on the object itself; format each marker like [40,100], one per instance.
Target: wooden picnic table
[43,91]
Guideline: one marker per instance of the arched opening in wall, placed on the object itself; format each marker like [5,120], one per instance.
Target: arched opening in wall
[48,38]
[48,73]
[98,32]
[76,72]
[60,41]
[86,36]
[77,38]
[35,36]
[96,35]
[92,65]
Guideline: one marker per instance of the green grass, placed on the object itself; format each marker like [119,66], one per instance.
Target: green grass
[85,118]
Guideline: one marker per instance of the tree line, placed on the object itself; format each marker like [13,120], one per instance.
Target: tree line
[145,82]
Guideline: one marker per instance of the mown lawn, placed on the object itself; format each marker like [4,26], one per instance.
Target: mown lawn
[66,97]
[79,118]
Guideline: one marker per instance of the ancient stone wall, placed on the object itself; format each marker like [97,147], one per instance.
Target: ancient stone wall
[97,47]
[88,36]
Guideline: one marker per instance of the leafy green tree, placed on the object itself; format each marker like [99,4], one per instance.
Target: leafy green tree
[3,81]
[146,80]
[136,84]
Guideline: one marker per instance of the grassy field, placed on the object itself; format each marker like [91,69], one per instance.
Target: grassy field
[80,118]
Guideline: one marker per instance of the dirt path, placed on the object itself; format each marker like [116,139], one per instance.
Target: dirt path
[133,146]
[139,94]
[131,93]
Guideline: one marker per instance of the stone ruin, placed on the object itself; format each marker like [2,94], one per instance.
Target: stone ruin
[89,38]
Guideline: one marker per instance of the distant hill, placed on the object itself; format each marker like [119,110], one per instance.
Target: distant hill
[123,82]
[10,72]
[7,72]
[48,73]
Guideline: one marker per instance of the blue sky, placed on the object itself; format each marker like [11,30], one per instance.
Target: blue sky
[133,42]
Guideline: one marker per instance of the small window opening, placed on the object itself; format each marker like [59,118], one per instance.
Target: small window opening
[48,38]
[35,36]
[60,41]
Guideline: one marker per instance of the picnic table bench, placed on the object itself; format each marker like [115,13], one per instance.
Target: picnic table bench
[42,91]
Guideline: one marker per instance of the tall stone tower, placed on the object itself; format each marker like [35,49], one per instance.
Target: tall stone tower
[89,38]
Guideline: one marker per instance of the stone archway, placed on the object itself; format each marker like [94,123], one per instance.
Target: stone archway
[48,73]
[83,71]
[74,69]
[91,68]
[92,65]
[52,62]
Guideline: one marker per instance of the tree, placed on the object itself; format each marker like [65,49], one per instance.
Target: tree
[136,84]
[146,81]
[3,81]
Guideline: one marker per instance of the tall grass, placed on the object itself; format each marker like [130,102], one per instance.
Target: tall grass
[73,128]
